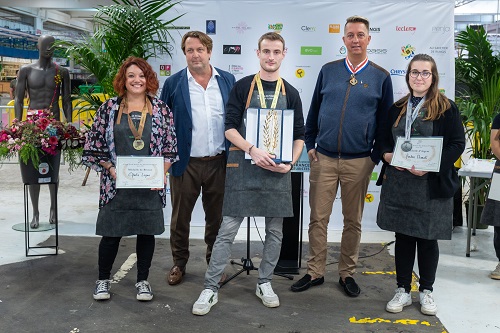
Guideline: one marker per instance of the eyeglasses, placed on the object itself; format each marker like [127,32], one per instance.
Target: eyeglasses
[360,36]
[425,75]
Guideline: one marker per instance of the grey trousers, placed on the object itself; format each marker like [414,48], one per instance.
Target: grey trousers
[222,250]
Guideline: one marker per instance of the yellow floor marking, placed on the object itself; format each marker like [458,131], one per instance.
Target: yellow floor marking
[353,320]
[414,278]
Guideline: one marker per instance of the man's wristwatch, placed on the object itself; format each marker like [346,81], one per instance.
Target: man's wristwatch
[291,166]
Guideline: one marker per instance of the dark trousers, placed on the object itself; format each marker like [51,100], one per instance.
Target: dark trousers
[496,241]
[206,175]
[108,248]
[428,257]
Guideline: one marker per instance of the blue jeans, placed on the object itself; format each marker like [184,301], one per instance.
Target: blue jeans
[222,250]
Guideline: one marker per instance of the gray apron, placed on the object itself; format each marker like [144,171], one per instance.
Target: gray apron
[405,203]
[251,190]
[131,211]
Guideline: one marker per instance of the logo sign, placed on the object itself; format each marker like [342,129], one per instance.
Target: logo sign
[441,30]
[369,197]
[241,28]
[398,72]
[407,51]
[406,29]
[211,27]
[334,28]
[178,27]
[342,49]
[305,28]
[311,50]
[376,51]
[438,50]
[165,70]
[374,30]
[236,69]
[300,73]
[43,168]
[231,49]
[277,27]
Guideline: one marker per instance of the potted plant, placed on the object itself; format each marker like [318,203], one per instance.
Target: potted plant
[127,28]
[39,137]
[478,92]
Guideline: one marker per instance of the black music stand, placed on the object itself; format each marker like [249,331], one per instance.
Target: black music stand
[246,263]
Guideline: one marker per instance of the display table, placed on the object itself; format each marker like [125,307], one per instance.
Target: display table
[28,230]
[479,172]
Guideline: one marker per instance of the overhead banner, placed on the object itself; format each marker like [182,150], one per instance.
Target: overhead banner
[313,33]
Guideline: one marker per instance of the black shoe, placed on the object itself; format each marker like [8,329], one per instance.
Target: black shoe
[306,282]
[350,286]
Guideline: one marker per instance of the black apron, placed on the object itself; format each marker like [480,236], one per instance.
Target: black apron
[251,190]
[131,211]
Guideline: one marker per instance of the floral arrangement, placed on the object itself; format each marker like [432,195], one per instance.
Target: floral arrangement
[40,134]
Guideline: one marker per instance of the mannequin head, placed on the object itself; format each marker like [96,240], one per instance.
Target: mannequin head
[45,43]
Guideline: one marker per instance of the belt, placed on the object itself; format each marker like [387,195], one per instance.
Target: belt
[209,158]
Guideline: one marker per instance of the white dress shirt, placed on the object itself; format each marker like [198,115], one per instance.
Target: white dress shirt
[207,109]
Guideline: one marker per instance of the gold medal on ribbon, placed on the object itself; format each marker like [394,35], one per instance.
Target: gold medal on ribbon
[138,144]
[353,80]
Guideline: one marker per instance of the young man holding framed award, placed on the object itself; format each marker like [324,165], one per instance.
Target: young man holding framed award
[260,186]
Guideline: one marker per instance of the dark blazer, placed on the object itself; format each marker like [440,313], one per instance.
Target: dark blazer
[442,184]
[175,94]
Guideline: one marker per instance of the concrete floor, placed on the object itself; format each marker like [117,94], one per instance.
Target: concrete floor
[467,299]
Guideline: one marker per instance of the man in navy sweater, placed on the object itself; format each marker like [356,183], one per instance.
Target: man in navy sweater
[349,104]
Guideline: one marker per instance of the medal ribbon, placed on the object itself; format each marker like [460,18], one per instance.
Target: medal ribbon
[263,103]
[411,116]
[138,132]
[358,68]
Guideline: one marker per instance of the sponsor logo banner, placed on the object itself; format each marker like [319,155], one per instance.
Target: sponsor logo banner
[236,69]
[242,27]
[407,51]
[300,73]
[311,50]
[277,27]
[306,28]
[165,70]
[376,51]
[334,28]
[211,27]
[231,49]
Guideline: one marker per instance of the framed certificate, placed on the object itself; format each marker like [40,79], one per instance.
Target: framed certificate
[140,172]
[271,130]
[422,152]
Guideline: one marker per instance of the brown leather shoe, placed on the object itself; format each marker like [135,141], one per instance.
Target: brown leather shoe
[175,275]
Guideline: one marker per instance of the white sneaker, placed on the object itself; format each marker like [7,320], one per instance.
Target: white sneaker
[399,301]
[144,292]
[101,291]
[207,299]
[495,275]
[265,292]
[427,304]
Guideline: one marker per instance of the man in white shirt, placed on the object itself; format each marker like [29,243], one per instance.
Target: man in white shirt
[197,96]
